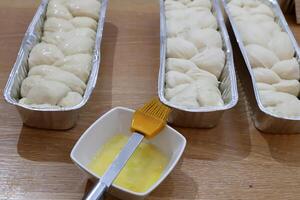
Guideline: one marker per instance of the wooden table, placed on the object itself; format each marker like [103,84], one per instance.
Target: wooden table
[232,161]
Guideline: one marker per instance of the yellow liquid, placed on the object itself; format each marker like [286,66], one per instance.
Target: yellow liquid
[142,170]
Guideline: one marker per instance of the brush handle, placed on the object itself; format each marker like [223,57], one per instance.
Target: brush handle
[97,192]
[115,168]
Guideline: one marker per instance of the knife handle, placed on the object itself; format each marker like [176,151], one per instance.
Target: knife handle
[97,192]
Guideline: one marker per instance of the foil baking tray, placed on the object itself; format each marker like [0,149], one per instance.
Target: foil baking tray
[262,118]
[49,118]
[204,117]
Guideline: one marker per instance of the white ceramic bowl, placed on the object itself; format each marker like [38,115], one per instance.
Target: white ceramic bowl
[118,121]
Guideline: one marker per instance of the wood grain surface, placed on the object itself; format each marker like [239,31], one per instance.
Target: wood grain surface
[233,161]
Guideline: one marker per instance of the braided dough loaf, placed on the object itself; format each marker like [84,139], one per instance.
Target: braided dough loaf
[195,59]
[271,55]
[60,65]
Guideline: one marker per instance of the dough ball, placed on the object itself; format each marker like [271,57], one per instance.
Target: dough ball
[81,32]
[265,86]
[201,76]
[72,99]
[288,86]
[47,92]
[196,20]
[282,46]
[252,33]
[54,38]
[179,65]
[253,18]
[184,1]
[186,98]
[174,5]
[271,98]
[262,9]
[287,69]
[238,3]
[44,54]
[260,56]
[180,48]
[78,64]
[171,92]
[174,79]
[54,24]
[77,45]
[270,27]
[55,74]
[176,28]
[176,14]
[58,10]
[200,3]
[211,60]
[28,83]
[86,8]
[286,109]
[236,11]
[264,75]
[209,98]
[204,38]
[84,22]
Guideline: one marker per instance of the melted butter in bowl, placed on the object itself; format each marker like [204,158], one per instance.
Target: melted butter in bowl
[142,170]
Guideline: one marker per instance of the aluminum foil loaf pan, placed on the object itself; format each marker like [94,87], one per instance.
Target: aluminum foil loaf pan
[204,117]
[262,118]
[49,118]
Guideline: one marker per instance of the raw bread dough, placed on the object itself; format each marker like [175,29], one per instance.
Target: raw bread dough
[84,22]
[176,27]
[77,45]
[286,109]
[253,33]
[264,75]
[288,86]
[265,86]
[86,8]
[44,54]
[171,92]
[180,65]
[55,74]
[174,5]
[272,98]
[71,99]
[282,46]
[260,56]
[54,24]
[47,92]
[58,10]
[174,79]
[196,20]
[186,98]
[287,69]
[211,60]
[204,38]
[78,64]
[180,48]
[200,3]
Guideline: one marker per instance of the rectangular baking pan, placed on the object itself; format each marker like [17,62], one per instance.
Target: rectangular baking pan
[204,117]
[49,118]
[262,118]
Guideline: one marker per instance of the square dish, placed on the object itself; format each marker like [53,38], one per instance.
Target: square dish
[117,121]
